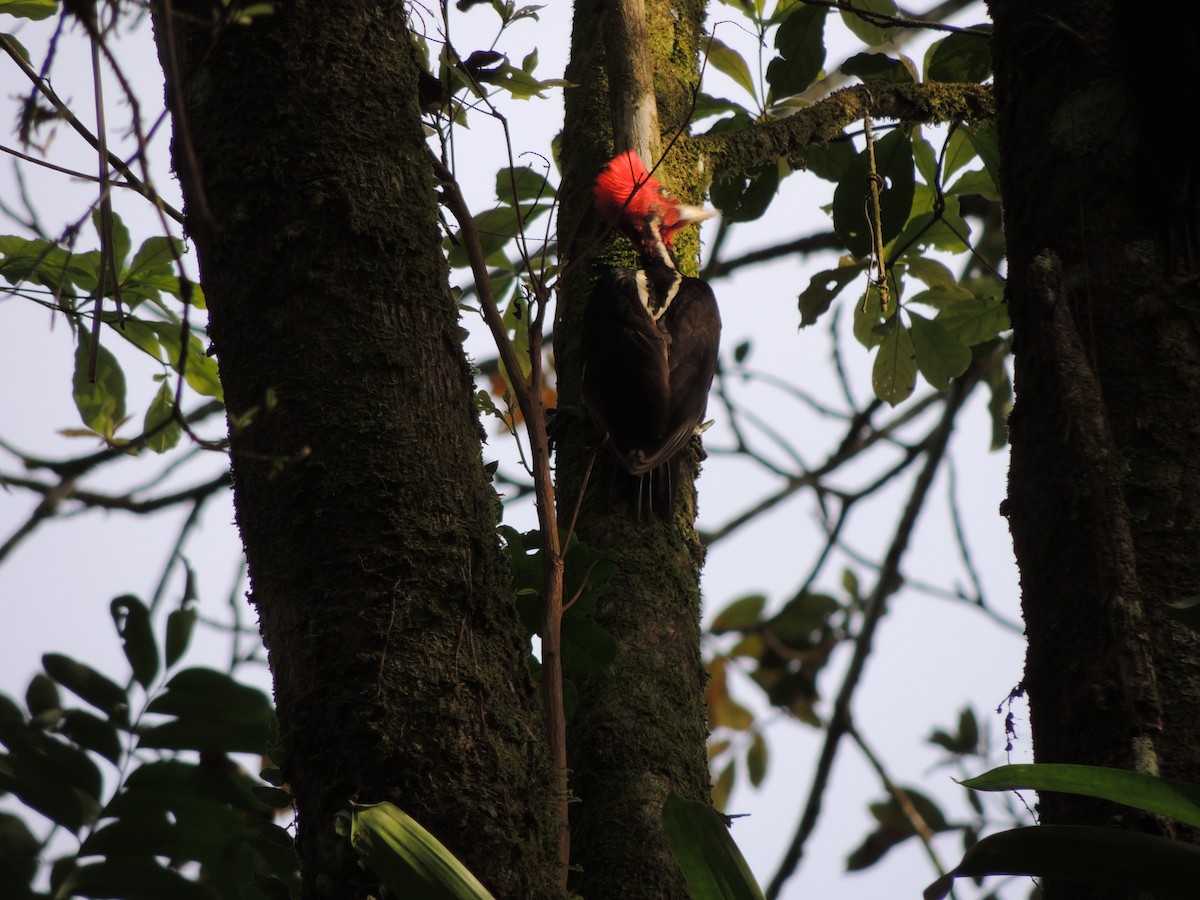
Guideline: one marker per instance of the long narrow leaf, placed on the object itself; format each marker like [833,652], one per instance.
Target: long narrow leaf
[711,862]
[1110,857]
[410,860]
[1163,796]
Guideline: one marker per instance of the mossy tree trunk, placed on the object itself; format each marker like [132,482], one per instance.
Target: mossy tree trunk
[369,526]
[1104,492]
[641,733]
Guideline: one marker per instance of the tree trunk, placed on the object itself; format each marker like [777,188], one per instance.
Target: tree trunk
[1103,490]
[639,734]
[369,526]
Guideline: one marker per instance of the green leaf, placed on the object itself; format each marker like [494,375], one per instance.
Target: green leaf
[940,356]
[712,865]
[742,613]
[865,28]
[131,879]
[894,828]
[744,197]
[974,321]
[960,57]
[867,313]
[729,62]
[180,625]
[214,713]
[1186,612]
[800,41]
[162,427]
[42,696]
[987,145]
[1107,857]
[121,244]
[19,851]
[92,733]
[530,185]
[756,759]
[410,860]
[894,374]
[822,290]
[132,619]
[496,228]
[976,181]
[851,198]
[88,684]
[803,622]
[28,9]
[880,67]
[101,403]
[1162,796]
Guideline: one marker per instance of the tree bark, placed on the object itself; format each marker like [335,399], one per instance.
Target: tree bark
[369,526]
[639,734]
[1103,486]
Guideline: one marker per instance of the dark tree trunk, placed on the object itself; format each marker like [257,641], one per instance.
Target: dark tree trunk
[639,734]
[1104,491]
[369,526]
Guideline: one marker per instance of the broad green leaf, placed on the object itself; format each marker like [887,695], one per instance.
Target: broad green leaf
[987,145]
[496,228]
[800,41]
[894,828]
[712,865]
[743,613]
[19,852]
[867,312]
[587,648]
[1107,857]
[101,403]
[1162,796]
[930,272]
[958,151]
[729,62]
[975,181]
[803,620]
[531,184]
[28,9]
[852,207]
[42,696]
[88,684]
[756,759]
[880,67]
[214,713]
[121,243]
[410,860]
[830,161]
[92,733]
[940,356]
[1185,611]
[894,374]
[43,789]
[869,29]
[974,321]
[161,426]
[960,57]
[143,335]
[201,373]
[745,196]
[823,289]
[132,619]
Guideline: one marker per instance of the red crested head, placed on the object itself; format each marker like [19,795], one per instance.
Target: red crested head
[628,197]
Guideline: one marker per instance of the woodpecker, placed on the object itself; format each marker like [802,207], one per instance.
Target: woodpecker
[650,341]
